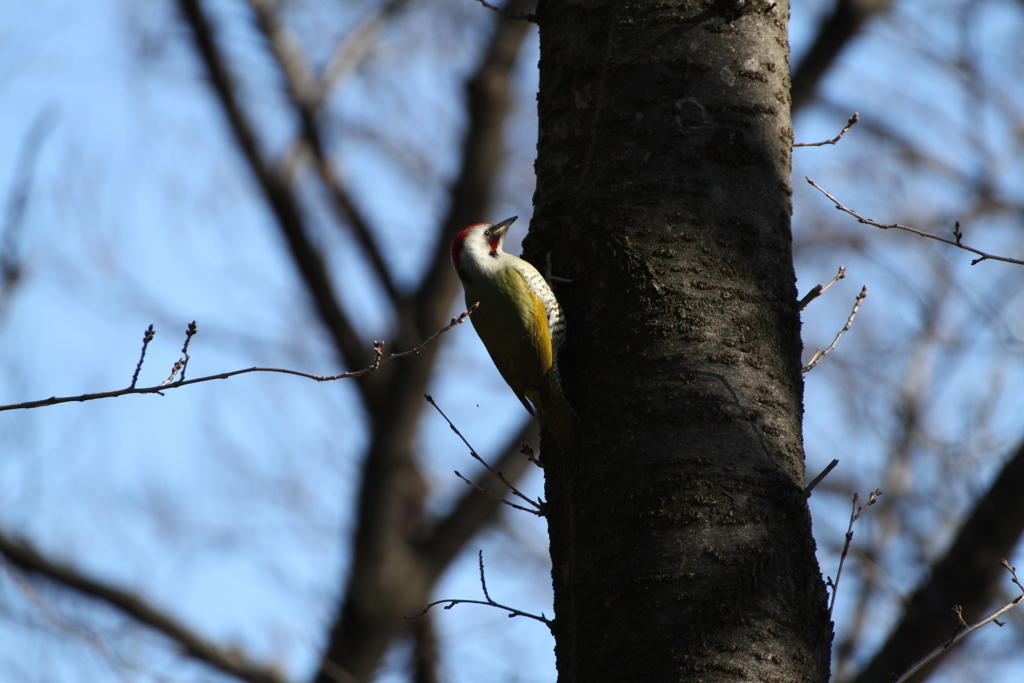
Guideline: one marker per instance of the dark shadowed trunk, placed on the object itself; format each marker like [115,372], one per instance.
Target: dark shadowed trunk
[681,544]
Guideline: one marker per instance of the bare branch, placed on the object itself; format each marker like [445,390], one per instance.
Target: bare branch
[849,124]
[966,575]
[424,656]
[818,290]
[352,50]
[854,516]
[378,353]
[513,612]
[524,16]
[817,480]
[287,51]
[178,365]
[280,199]
[146,338]
[483,580]
[302,89]
[484,491]
[819,354]
[228,660]
[538,504]
[170,384]
[527,450]
[963,629]
[957,240]
[472,511]
[837,30]
[190,331]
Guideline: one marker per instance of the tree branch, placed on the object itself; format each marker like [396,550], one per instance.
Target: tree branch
[512,611]
[521,16]
[836,31]
[538,505]
[227,660]
[424,657]
[489,94]
[957,240]
[963,629]
[854,516]
[17,202]
[378,361]
[303,89]
[350,51]
[819,354]
[473,511]
[846,129]
[282,201]
[965,576]
[818,290]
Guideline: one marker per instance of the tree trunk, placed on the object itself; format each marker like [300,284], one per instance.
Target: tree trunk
[680,535]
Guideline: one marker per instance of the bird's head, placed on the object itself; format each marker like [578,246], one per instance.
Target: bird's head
[479,241]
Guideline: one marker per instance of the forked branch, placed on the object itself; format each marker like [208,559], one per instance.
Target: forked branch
[512,611]
[819,354]
[538,505]
[818,290]
[854,516]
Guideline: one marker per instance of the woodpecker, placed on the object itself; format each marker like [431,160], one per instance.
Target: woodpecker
[519,322]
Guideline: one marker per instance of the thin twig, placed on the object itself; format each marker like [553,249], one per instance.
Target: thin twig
[963,630]
[957,240]
[378,353]
[483,581]
[817,480]
[818,290]
[481,489]
[538,504]
[854,516]
[146,338]
[819,354]
[527,450]
[849,124]
[190,331]
[169,384]
[525,16]
[513,612]
[178,364]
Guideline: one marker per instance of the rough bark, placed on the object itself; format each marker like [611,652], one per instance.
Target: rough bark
[680,538]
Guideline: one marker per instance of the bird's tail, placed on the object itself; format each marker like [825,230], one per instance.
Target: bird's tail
[558,417]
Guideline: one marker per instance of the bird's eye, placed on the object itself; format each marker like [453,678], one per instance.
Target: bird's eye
[487,233]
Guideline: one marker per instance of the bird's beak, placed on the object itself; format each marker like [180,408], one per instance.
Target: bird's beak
[499,228]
